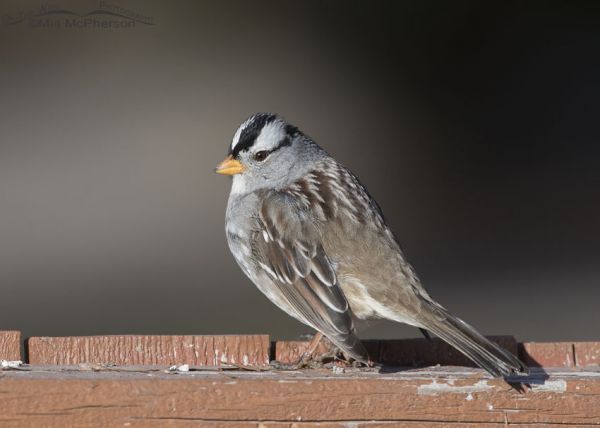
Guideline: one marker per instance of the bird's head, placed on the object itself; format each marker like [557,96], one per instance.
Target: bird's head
[266,152]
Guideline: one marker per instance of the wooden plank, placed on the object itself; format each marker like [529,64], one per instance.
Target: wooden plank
[10,345]
[403,352]
[352,424]
[587,354]
[252,350]
[59,397]
[551,354]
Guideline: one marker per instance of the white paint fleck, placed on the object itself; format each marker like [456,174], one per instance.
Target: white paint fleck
[490,407]
[557,386]
[469,397]
[181,368]
[7,364]
[245,360]
[435,388]
[338,370]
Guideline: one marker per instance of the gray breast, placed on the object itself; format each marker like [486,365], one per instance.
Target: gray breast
[239,225]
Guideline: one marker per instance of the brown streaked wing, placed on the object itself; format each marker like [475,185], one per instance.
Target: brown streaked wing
[289,246]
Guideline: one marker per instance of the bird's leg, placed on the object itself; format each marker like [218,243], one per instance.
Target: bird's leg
[314,342]
[306,356]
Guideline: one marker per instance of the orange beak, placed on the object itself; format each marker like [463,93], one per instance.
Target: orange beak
[230,166]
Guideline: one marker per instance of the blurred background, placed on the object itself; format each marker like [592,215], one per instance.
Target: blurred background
[474,125]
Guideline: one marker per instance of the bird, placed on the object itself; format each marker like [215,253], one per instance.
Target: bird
[308,234]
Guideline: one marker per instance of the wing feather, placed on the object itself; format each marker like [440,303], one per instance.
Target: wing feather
[288,248]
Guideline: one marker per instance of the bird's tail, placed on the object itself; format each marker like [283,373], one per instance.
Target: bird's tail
[486,354]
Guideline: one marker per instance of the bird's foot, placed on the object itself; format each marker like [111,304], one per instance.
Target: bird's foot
[334,357]
[278,365]
[328,360]
[307,359]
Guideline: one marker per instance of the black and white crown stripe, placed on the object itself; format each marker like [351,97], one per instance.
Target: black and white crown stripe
[263,131]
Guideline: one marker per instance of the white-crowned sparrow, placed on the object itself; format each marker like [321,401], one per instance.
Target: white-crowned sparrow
[308,234]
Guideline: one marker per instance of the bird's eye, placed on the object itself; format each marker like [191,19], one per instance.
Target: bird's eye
[260,156]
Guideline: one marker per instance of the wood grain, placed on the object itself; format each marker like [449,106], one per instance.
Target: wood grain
[61,397]
[551,354]
[10,345]
[252,350]
[587,354]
